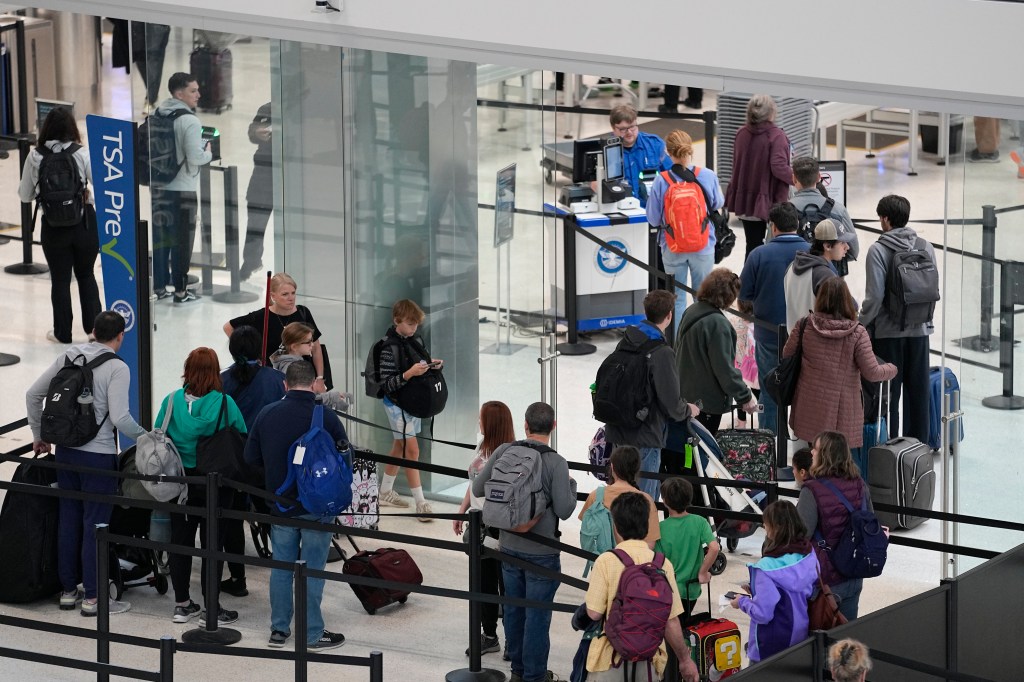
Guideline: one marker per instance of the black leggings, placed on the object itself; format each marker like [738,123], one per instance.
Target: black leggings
[67,250]
[183,532]
[754,230]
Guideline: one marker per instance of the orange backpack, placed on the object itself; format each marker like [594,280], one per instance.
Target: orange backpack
[686,213]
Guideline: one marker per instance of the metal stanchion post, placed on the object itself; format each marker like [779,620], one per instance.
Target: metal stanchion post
[773,491]
[475,673]
[1008,297]
[26,266]
[301,624]
[782,472]
[820,655]
[983,341]
[573,345]
[376,666]
[710,120]
[212,634]
[102,599]
[206,229]
[167,648]
[231,241]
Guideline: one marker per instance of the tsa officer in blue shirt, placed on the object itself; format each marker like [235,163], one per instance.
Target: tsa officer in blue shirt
[640,151]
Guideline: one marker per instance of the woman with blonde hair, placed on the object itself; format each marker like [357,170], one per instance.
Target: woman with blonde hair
[696,264]
[761,172]
[849,661]
[282,311]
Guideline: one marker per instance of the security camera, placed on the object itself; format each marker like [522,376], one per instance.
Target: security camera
[324,6]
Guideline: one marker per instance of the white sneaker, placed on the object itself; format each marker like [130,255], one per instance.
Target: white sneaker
[390,498]
[424,508]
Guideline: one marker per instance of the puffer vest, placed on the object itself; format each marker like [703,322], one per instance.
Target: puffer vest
[833,519]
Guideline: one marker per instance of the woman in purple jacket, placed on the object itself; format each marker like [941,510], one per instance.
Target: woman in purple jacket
[761,173]
[780,584]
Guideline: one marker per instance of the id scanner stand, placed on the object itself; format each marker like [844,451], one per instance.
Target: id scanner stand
[616,194]
[579,198]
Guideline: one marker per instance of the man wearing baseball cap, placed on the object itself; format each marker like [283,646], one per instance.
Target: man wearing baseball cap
[809,269]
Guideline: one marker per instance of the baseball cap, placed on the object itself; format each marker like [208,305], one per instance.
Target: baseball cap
[828,231]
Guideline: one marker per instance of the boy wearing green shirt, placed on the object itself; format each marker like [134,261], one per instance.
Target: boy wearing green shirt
[683,537]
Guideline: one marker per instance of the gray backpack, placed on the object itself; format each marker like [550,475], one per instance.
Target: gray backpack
[514,496]
[154,455]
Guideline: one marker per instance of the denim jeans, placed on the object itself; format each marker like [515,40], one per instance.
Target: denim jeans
[77,519]
[650,460]
[849,592]
[527,630]
[767,355]
[287,543]
[679,264]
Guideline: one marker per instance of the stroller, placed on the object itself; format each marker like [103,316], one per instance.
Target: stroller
[135,566]
[710,463]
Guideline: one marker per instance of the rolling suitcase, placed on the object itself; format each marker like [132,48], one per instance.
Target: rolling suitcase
[387,564]
[748,453]
[902,472]
[876,405]
[942,382]
[716,648]
[28,539]
[212,70]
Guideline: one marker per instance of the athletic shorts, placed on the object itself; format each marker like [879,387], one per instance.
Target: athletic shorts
[396,417]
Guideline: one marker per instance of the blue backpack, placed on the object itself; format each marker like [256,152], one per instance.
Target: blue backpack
[596,534]
[863,547]
[322,474]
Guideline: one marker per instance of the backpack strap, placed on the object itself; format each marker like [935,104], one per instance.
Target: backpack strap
[317,421]
[691,176]
[842,498]
[599,494]
[658,561]
[623,557]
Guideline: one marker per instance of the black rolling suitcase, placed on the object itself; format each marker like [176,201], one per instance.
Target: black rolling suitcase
[212,70]
[902,472]
[28,539]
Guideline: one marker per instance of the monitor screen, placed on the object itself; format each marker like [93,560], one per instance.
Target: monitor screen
[613,169]
[45,106]
[584,161]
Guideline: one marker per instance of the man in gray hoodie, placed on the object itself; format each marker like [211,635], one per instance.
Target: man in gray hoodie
[175,204]
[906,348]
[810,268]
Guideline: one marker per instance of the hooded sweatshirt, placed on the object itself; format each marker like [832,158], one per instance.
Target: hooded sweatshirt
[194,418]
[190,147]
[872,313]
[780,585]
[803,277]
[836,354]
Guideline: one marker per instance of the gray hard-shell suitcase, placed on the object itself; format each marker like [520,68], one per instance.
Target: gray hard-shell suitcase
[901,472]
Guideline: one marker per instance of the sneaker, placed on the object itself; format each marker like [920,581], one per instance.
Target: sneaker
[424,508]
[692,104]
[978,157]
[666,109]
[89,608]
[504,653]
[328,640]
[183,614]
[69,600]
[234,586]
[248,270]
[187,297]
[277,639]
[224,617]
[390,498]
[50,336]
[161,294]
[1020,163]
[488,645]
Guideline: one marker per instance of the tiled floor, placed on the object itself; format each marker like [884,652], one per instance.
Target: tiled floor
[427,636]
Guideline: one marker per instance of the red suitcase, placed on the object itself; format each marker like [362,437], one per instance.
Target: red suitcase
[716,648]
[387,564]
[213,71]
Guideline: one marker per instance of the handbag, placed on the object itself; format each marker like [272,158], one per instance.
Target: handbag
[223,452]
[781,381]
[823,608]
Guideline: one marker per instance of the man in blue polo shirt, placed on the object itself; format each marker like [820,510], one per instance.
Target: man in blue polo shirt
[763,284]
[640,151]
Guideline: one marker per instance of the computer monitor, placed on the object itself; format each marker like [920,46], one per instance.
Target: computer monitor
[584,159]
[45,106]
[613,166]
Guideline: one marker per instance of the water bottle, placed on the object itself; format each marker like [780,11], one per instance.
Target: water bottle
[86,398]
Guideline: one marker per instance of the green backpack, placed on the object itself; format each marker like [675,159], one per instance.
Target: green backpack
[596,534]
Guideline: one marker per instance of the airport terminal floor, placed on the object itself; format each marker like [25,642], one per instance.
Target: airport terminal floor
[426,637]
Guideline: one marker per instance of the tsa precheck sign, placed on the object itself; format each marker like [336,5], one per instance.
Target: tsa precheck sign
[112,156]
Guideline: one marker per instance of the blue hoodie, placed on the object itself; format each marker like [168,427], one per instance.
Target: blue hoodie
[780,587]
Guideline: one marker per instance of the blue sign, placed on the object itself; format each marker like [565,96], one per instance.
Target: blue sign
[112,152]
[601,323]
[612,263]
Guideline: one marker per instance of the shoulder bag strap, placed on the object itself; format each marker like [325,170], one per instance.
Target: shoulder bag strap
[835,491]
[223,412]
[167,414]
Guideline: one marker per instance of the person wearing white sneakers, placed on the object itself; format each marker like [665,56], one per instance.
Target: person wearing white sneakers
[407,318]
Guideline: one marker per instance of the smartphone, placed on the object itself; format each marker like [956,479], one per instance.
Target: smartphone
[731,595]
[434,365]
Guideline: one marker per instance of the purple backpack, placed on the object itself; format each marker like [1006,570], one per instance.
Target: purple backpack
[635,625]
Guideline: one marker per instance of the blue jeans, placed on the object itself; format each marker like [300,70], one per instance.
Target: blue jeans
[77,519]
[527,630]
[849,592]
[650,460]
[287,542]
[678,264]
[767,355]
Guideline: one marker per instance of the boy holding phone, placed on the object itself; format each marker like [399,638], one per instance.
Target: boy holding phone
[407,317]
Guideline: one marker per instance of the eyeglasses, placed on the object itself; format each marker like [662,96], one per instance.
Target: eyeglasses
[626,129]
[306,342]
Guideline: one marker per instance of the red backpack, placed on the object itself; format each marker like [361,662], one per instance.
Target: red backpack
[636,622]
[686,213]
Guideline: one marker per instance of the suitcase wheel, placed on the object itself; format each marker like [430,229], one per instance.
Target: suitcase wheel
[718,567]
[732,543]
[369,609]
[116,590]
[404,599]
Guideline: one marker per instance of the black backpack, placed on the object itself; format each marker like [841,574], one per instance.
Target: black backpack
[622,393]
[811,215]
[68,415]
[61,189]
[911,285]
[422,396]
[157,152]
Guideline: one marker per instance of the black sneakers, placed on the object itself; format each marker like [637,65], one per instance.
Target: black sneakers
[488,645]
[277,639]
[224,617]
[328,640]
[234,586]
